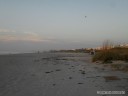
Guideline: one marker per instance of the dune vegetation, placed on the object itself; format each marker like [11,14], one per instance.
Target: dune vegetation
[111,54]
[108,54]
[115,57]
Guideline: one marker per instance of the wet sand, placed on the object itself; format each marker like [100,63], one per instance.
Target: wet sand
[57,74]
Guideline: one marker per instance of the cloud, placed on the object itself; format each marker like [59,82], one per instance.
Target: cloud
[31,36]
[6,30]
[22,36]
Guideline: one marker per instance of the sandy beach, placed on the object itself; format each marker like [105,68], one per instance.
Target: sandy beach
[57,74]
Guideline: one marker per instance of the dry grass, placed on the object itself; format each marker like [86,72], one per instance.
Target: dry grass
[111,54]
[116,58]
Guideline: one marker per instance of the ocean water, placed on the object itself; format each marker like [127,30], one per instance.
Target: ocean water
[8,52]
[12,52]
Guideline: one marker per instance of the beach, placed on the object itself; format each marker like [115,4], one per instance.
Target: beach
[57,74]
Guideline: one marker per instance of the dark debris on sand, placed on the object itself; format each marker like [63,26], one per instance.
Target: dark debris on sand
[80,83]
[111,78]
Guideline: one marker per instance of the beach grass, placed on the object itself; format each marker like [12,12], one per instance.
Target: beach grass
[111,54]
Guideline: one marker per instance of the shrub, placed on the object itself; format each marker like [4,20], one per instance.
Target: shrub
[111,54]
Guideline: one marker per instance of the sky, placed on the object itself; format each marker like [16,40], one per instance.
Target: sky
[31,25]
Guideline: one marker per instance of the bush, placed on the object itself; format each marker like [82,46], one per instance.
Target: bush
[111,54]
[104,56]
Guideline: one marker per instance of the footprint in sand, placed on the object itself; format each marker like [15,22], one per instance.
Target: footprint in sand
[58,69]
[33,74]
[48,71]
[36,60]
[70,77]
[83,72]
[54,84]
[80,83]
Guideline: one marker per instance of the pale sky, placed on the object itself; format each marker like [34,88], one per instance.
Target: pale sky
[30,25]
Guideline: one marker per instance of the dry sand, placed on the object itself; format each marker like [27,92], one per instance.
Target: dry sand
[57,74]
